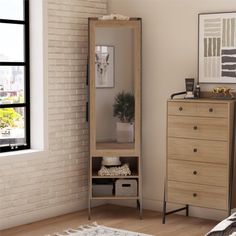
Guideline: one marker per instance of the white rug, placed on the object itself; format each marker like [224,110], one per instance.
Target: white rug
[97,230]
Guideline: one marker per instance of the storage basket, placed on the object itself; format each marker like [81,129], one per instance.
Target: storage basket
[126,187]
[102,190]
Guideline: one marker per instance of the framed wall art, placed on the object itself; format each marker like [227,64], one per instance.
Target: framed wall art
[217,47]
[104,66]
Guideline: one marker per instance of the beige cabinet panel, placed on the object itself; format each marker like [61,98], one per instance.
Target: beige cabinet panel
[198,128]
[182,108]
[219,110]
[199,173]
[212,110]
[197,195]
[198,150]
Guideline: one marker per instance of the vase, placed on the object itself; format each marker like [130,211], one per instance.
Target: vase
[124,132]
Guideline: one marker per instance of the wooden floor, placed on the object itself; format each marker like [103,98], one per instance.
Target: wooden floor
[118,217]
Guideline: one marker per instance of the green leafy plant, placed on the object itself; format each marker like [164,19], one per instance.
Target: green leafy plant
[123,107]
[9,117]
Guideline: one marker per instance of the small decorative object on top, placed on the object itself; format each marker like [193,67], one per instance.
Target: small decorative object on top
[114,17]
[189,83]
[197,92]
[222,93]
[123,170]
[123,108]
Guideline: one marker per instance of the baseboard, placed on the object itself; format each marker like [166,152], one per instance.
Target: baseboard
[149,204]
[45,213]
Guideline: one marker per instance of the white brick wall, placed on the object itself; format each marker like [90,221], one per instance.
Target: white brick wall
[33,184]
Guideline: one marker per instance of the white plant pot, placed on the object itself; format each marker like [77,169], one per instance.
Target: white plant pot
[124,132]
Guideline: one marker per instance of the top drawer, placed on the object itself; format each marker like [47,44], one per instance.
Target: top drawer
[198,109]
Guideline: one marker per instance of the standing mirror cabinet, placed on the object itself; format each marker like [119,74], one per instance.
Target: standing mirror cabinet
[115,110]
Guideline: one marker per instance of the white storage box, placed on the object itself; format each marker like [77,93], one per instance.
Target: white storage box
[126,188]
[102,190]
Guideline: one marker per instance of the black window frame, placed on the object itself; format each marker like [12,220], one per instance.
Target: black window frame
[26,65]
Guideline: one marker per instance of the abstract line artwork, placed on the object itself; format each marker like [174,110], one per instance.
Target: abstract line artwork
[217,48]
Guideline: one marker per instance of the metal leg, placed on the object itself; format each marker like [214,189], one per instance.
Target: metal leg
[164,213]
[187,210]
[164,205]
[140,209]
[89,209]
[138,204]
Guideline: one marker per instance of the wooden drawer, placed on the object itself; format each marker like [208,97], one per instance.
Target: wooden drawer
[198,150]
[212,110]
[198,128]
[182,108]
[198,109]
[197,195]
[198,173]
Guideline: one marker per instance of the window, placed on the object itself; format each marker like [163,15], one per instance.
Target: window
[14,75]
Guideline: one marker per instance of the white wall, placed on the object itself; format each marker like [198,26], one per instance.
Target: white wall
[122,40]
[170,44]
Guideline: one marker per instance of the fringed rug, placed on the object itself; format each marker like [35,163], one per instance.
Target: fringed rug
[97,230]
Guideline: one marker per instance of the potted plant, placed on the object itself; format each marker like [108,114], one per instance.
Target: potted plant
[123,109]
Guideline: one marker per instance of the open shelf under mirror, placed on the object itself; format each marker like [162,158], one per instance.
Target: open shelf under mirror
[132,162]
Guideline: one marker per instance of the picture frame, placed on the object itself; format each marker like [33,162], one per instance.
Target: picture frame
[217,47]
[104,66]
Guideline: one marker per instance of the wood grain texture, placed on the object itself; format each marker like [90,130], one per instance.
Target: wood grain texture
[118,217]
[198,150]
[208,109]
[198,172]
[115,149]
[198,128]
[134,24]
[198,195]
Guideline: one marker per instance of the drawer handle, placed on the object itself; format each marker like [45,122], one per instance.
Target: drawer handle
[195,172]
[210,109]
[180,108]
[195,150]
[195,127]
[194,195]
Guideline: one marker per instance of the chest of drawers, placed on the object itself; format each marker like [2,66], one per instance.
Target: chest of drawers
[199,153]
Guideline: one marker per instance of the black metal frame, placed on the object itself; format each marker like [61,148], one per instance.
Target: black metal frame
[26,64]
[166,213]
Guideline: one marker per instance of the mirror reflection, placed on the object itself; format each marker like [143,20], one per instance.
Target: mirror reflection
[114,81]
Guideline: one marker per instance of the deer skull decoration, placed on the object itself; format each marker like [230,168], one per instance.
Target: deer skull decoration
[102,62]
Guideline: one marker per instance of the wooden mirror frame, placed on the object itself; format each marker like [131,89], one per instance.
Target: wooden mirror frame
[115,149]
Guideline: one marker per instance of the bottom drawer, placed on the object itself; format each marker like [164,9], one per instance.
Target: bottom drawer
[197,195]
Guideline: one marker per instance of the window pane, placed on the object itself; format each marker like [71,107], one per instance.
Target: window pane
[11,9]
[12,84]
[11,43]
[12,124]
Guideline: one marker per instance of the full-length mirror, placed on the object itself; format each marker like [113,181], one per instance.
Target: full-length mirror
[113,78]
[115,85]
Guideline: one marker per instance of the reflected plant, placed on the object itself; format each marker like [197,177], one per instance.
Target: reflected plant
[123,107]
